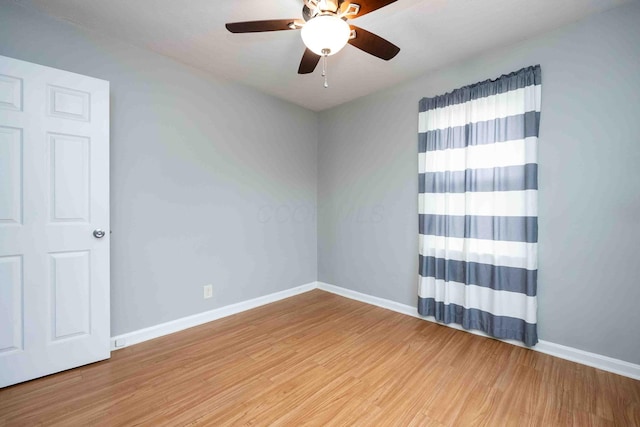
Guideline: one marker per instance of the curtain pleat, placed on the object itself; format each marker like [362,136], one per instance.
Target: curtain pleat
[478,206]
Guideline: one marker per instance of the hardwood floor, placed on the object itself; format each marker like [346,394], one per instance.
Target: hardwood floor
[320,359]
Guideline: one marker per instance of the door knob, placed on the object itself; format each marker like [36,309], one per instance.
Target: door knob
[98,234]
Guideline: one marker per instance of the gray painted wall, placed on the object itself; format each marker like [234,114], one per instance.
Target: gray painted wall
[589,198]
[211,182]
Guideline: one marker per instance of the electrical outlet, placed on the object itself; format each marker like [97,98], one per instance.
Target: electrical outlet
[208,291]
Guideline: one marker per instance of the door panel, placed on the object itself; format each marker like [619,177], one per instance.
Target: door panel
[54,191]
[69,103]
[10,92]
[70,287]
[69,178]
[10,303]
[10,175]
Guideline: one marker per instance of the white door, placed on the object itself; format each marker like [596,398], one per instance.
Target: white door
[54,192]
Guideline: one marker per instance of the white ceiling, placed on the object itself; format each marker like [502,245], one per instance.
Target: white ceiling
[430,33]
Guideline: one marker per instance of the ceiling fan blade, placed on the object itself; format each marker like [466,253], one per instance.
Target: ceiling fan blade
[373,44]
[260,26]
[309,62]
[366,6]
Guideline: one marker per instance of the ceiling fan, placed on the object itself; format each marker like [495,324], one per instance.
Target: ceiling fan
[325,30]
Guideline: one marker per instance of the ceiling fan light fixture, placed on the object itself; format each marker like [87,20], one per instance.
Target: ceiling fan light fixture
[325,34]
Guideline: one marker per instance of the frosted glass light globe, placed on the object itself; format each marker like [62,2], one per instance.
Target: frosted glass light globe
[325,32]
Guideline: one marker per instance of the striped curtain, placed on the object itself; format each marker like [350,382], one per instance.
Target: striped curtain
[478,181]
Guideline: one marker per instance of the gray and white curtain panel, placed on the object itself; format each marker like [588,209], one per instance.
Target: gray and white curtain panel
[478,207]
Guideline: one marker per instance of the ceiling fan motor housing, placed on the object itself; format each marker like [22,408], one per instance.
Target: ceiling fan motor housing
[313,8]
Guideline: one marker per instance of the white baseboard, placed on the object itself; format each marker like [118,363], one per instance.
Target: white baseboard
[167,328]
[595,360]
[605,363]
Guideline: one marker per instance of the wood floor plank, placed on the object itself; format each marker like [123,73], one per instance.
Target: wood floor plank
[319,359]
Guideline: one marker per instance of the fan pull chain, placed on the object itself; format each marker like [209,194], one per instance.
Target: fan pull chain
[324,66]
